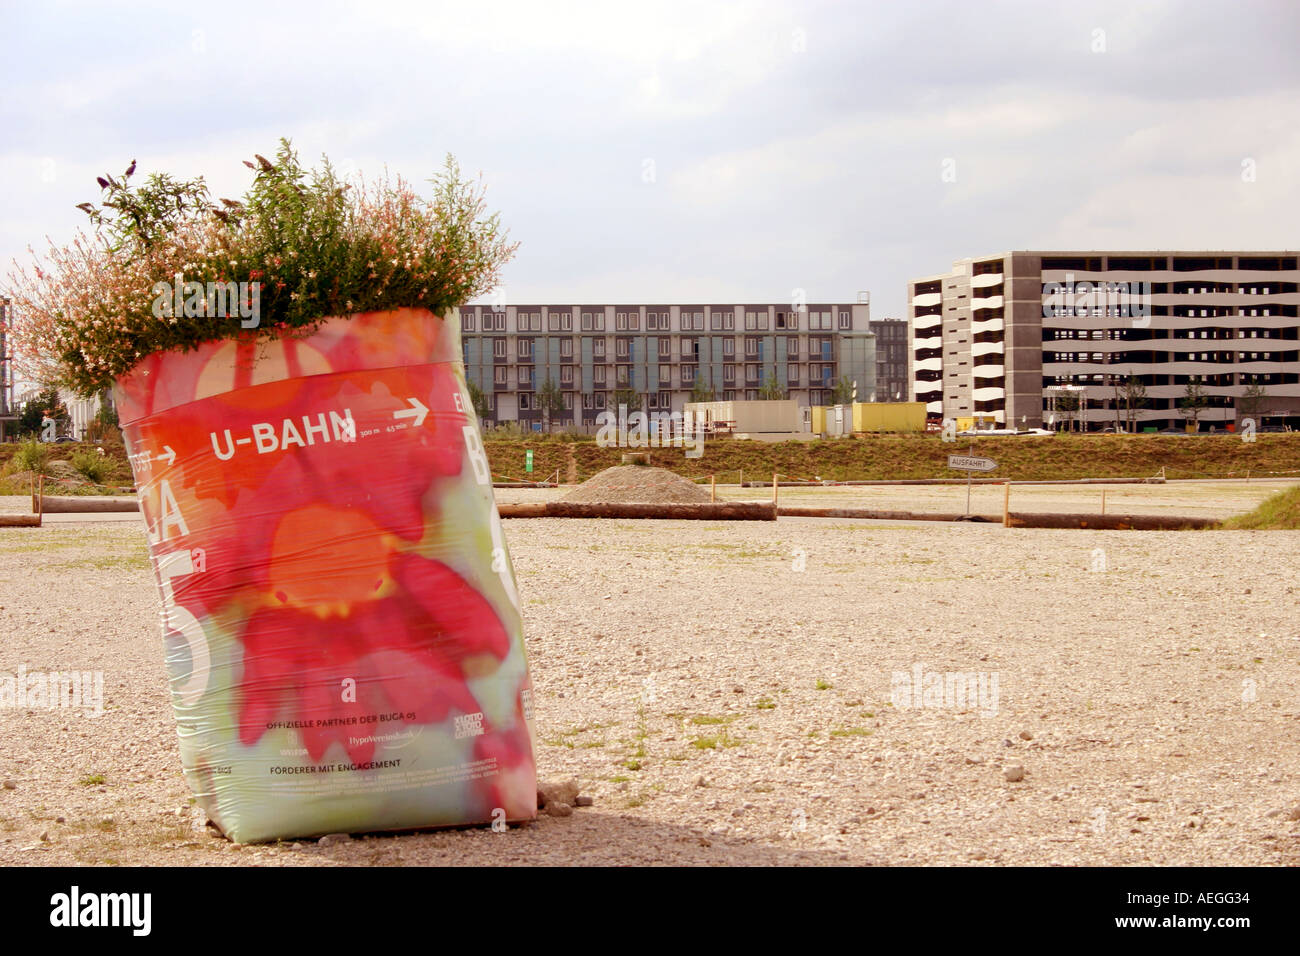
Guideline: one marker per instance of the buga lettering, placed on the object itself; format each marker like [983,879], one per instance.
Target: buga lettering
[268,437]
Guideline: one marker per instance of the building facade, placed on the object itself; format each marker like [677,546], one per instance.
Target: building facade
[893,381]
[596,354]
[999,335]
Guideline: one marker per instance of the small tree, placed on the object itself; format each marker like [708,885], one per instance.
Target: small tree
[1193,402]
[1251,402]
[46,403]
[479,401]
[1134,393]
[625,396]
[771,390]
[550,400]
[701,392]
[1067,404]
[842,393]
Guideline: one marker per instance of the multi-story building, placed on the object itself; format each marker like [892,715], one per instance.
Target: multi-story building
[893,382]
[996,336]
[596,353]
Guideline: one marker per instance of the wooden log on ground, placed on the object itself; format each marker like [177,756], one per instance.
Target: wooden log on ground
[20,521]
[876,514]
[720,511]
[524,484]
[75,504]
[1110,522]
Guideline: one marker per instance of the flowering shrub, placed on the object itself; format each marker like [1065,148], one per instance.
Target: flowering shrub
[308,243]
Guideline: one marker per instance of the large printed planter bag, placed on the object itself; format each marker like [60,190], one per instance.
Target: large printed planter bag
[340,622]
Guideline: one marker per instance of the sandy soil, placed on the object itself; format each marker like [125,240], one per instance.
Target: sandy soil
[733,693]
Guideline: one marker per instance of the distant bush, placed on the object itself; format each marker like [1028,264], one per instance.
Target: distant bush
[92,466]
[32,455]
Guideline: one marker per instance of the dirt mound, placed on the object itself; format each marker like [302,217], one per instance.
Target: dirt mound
[639,484]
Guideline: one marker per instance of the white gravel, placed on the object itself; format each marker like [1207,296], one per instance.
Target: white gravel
[723,692]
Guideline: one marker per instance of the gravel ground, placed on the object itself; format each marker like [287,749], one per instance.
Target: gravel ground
[732,693]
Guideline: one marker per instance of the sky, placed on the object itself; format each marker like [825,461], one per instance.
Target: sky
[693,152]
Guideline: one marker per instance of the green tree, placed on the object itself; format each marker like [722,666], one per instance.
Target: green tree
[1193,402]
[1251,402]
[842,393]
[1134,395]
[550,400]
[45,403]
[479,401]
[701,392]
[771,390]
[625,396]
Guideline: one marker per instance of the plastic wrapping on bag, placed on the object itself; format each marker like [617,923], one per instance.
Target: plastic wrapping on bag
[340,621]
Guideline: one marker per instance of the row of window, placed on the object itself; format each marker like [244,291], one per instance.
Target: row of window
[526,376]
[691,321]
[527,401]
[689,348]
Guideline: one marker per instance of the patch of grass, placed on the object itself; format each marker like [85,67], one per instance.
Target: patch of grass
[1279,512]
[706,719]
[31,455]
[852,732]
[715,743]
[823,685]
[591,744]
[93,780]
[632,764]
[868,713]
[765,703]
[558,742]
[92,466]
[619,778]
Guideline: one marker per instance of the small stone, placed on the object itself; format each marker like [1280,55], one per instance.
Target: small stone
[45,836]
[556,791]
[1026,735]
[737,689]
[853,703]
[330,839]
[60,819]
[296,846]
[1006,743]
[582,800]
[10,785]
[701,782]
[975,760]
[106,822]
[1294,813]
[1013,773]
[557,809]
[738,812]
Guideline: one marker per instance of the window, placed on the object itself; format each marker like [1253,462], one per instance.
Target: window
[728,321]
[525,349]
[467,321]
[792,346]
[568,401]
[525,401]
[715,320]
[728,374]
[751,373]
[620,349]
[665,347]
[787,321]
[598,349]
[566,322]
[792,374]
[620,321]
[598,374]
[566,374]
[688,375]
[665,400]
[499,375]
[586,400]
[728,348]
[751,346]
[553,321]
[633,321]
[690,350]
[566,348]
[600,399]
[751,394]
[599,319]
[586,321]
[499,348]
[623,375]
[498,320]
[697,322]
[525,373]
[846,320]
[654,400]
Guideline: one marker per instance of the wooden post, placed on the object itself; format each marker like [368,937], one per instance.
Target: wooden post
[40,496]
[774,476]
[742,477]
[713,487]
[1103,501]
[1006,504]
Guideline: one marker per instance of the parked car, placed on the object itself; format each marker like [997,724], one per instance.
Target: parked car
[63,439]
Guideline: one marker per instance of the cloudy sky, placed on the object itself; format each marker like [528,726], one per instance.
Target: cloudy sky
[695,151]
